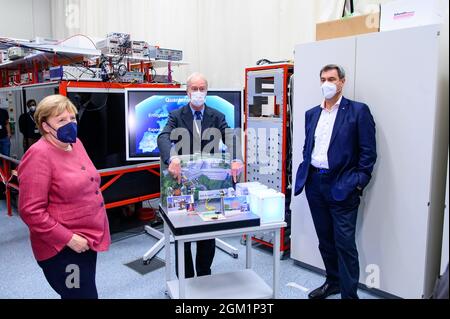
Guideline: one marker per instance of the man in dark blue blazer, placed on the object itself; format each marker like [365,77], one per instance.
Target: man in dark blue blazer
[338,158]
[197,128]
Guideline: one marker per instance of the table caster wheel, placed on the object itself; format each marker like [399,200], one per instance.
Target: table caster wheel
[235,256]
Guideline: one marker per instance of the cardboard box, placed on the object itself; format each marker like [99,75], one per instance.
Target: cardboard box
[409,13]
[348,26]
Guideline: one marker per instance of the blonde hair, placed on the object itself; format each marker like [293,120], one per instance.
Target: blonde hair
[52,105]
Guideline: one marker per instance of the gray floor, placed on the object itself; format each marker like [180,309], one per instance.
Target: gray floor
[21,277]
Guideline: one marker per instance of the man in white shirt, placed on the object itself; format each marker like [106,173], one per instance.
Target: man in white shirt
[338,158]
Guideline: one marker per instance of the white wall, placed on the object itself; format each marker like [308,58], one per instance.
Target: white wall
[218,37]
[42,18]
[25,19]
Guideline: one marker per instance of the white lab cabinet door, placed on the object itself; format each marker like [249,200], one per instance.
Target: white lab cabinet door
[309,59]
[445,237]
[397,77]
[396,74]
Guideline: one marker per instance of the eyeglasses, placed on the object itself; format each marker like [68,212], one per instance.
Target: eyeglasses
[196,88]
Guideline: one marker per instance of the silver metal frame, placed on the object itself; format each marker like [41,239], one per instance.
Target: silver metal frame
[161,243]
[249,231]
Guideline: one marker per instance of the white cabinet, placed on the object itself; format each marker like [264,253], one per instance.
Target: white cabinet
[396,74]
[445,239]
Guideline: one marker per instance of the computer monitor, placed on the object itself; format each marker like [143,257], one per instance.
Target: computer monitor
[147,111]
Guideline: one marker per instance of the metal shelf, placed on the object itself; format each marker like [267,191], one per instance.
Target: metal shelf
[164,63]
[155,63]
[61,51]
[75,53]
[242,284]
[58,54]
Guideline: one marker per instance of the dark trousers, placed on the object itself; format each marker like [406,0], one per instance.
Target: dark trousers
[335,224]
[206,250]
[72,274]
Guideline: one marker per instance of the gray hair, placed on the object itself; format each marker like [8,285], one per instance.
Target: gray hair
[340,70]
[196,75]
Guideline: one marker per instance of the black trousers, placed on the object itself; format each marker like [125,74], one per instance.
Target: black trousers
[206,250]
[72,274]
[335,224]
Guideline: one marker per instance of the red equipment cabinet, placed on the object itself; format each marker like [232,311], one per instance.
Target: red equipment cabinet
[267,141]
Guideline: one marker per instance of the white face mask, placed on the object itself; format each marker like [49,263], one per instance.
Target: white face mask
[32,109]
[198,98]
[328,90]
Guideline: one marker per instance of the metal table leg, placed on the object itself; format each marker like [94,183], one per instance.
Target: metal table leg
[276,262]
[248,249]
[181,279]
[167,251]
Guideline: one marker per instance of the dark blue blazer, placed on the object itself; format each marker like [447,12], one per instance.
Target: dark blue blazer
[182,118]
[352,151]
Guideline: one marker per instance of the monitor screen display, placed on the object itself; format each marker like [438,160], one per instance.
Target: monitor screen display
[147,112]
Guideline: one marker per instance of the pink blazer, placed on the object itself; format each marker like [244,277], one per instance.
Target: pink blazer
[59,195]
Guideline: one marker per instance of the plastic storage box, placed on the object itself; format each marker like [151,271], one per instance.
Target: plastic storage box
[268,204]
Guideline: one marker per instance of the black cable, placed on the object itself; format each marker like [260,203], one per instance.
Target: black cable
[152,70]
[154,74]
[262,61]
[105,75]
[266,61]
[116,63]
[351,7]
[79,67]
[73,76]
[98,107]
[121,69]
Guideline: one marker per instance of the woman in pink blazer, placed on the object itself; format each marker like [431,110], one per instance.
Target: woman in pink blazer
[61,202]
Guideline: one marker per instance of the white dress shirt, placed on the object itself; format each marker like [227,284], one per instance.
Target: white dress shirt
[322,135]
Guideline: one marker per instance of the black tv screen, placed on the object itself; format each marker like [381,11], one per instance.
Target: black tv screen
[101,125]
[147,112]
